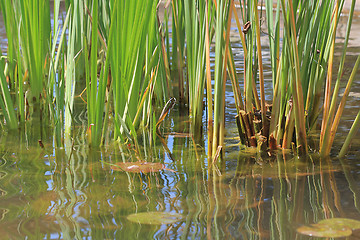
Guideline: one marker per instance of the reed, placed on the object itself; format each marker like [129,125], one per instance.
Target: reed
[195,58]
[35,28]
[354,129]
[301,64]
[56,76]
[223,16]
[331,120]
[6,103]
[128,68]
[28,29]
[208,81]
[178,46]
[135,56]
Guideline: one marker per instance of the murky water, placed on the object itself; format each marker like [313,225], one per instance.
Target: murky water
[73,193]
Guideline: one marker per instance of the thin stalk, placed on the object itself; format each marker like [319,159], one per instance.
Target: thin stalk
[342,61]
[93,76]
[295,79]
[265,130]
[234,82]
[6,103]
[224,77]
[70,76]
[327,97]
[178,31]
[195,57]
[326,147]
[328,141]
[241,34]
[21,99]
[208,81]
[219,68]
[353,131]
[276,111]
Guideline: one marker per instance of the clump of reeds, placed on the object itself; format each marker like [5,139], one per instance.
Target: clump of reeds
[128,58]
[299,71]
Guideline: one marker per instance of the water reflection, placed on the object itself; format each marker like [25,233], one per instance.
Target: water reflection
[70,194]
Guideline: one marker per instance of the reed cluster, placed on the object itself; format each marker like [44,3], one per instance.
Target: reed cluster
[129,58]
[302,59]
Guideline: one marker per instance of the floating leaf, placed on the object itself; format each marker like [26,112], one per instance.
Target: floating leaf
[155,218]
[332,227]
[137,167]
[341,222]
[320,230]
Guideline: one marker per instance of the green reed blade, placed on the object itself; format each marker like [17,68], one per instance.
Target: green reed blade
[223,18]
[274,35]
[331,123]
[265,130]
[352,133]
[5,99]
[195,57]
[328,84]
[330,133]
[70,74]
[130,77]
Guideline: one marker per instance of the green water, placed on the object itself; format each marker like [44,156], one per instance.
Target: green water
[70,194]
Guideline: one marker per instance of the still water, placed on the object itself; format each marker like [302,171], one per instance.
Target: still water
[73,193]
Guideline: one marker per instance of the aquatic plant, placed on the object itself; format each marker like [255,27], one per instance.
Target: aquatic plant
[6,103]
[28,30]
[128,68]
[298,73]
[32,61]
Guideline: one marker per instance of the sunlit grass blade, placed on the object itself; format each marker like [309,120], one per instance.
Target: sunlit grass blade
[328,84]
[223,16]
[296,83]
[6,103]
[209,96]
[352,133]
[70,74]
[327,143]
[265,126]
[178,45]
[132,67]
[329,125]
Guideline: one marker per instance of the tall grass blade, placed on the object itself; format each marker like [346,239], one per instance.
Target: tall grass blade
[326,147]
[6,103]
[352,133]
[223,16]
[209,96]
[265,126]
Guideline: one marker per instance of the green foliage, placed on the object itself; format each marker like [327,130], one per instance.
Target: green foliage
[128,58]
[6,103]
[134,47]
[300,60]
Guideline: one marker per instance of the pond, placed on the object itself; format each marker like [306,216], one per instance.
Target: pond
[77,192]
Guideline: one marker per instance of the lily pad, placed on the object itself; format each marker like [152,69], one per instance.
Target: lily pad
[155,218]
[138,167]
[319,230]
[332,227]
[341,222]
